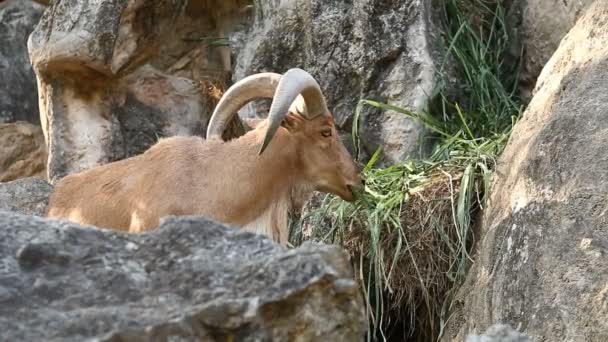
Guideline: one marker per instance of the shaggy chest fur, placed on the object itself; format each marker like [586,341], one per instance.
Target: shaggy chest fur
[273,221]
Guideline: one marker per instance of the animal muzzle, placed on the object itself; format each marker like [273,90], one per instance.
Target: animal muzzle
[356,189]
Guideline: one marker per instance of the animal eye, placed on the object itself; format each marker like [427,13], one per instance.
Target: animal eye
[326,133]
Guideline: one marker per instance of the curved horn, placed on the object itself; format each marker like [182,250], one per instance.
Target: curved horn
[293,83]
[251,87]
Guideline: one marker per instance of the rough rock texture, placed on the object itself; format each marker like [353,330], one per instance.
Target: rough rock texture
[112,76]
[115,76]
[28,196]
[18,94]
[540,25]
[191,280]
[22,151]
[541,257]
[499,333]
[371,49]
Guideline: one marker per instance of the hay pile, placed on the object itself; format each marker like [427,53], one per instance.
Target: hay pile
[408,239]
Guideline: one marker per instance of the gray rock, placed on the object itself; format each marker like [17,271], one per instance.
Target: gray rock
[539,26]
[499,333]
[362,49]
[28,196]
[18,93]
[78,50]
[109,74]
[541,257]
[191,280]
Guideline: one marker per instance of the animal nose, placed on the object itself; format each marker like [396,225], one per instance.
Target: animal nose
[357,189]
[360,167]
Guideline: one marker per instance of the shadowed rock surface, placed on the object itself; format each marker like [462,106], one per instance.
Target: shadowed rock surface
[28,196]
[18,94]
[22,151]
[191,280]
[541,257]
[540,25]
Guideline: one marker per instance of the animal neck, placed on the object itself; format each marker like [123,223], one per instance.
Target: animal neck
[279,164]
[267,200]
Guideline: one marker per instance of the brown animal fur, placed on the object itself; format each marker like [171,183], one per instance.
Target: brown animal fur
[225,181]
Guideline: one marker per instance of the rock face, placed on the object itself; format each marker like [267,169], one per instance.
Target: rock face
[111,83]
[18,94]
[540,26]
[28,196]
[22,151]
[362,49]
[112,76]
[191,280]
[541,257]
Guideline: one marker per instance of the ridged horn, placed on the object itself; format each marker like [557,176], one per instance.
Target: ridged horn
[293,83]
[262,85]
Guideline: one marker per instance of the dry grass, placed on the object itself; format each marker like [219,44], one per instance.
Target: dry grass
[417,277]
[212,90]
[407,241]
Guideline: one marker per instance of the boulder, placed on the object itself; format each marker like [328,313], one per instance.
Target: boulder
[191,280]
[115,76]
[539,26]
[18,94]
[362,49]
[28,196]
[540,262]
[22,151]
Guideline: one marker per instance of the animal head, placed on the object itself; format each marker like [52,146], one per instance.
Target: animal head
[299,109]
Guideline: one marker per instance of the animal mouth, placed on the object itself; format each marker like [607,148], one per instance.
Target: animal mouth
[354,192]
[347,192]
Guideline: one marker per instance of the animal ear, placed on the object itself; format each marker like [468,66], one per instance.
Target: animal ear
[292,121]
[252,123]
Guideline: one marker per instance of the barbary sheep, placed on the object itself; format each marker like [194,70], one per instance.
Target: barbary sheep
[247,182]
